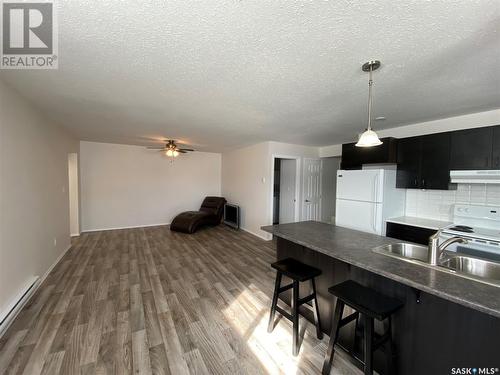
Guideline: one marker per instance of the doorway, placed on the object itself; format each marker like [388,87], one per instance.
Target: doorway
[285,190]
[74,216]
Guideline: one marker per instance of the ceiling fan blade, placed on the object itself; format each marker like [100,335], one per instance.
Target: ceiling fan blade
[186,149]
[182,151]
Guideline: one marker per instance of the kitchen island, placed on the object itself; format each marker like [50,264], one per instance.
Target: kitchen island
[447,321]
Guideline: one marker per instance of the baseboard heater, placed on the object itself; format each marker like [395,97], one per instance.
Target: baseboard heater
[8,315]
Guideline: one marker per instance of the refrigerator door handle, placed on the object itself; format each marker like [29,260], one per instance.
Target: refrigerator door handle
[375,189]
[374,219]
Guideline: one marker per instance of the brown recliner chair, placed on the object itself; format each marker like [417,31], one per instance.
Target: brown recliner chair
[210,213]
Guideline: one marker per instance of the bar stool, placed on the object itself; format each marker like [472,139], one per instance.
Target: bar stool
[370,305]
[298,272]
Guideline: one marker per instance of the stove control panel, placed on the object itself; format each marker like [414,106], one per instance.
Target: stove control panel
[477,216]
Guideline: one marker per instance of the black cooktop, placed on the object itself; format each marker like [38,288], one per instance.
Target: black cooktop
[462,228]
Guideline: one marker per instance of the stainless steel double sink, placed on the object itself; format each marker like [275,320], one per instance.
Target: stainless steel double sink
[469,267]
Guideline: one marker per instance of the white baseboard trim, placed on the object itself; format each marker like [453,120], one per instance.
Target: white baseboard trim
[264,237]
[28,291]
[131,227]
[8,315]
[74,235]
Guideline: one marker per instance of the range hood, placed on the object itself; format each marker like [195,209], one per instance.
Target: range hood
[475,177]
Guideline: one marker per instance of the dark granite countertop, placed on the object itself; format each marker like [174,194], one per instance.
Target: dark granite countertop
[355,247]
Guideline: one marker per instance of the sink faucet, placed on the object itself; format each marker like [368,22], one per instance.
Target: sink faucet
[436,249]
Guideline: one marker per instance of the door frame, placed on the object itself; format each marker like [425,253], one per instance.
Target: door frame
[320,187]
[297,185]
[74,193]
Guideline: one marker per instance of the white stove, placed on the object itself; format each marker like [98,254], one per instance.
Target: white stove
[480,225]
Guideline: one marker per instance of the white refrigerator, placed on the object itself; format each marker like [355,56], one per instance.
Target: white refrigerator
[366,198]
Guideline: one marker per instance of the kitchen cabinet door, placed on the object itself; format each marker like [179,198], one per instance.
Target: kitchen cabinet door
[408,173]
[496,148]
[471,149]
[435,163]
[351,159]
[354,157]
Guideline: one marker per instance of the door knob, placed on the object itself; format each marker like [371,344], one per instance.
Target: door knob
[307,200]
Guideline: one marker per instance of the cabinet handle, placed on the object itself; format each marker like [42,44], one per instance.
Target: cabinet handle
[423,183]
[415,182]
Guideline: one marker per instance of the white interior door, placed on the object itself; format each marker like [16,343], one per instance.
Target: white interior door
[287,191]
[311,196]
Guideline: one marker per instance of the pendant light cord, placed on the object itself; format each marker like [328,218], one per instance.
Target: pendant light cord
[370,84]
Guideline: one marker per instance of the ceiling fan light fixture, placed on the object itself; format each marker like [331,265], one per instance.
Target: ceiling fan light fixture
[171,150]
[369,138]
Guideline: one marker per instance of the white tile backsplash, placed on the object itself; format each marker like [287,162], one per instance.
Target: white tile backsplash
[438,204]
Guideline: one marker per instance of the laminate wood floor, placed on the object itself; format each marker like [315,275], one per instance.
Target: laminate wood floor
[150,301]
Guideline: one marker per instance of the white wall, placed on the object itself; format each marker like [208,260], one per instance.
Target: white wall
[34,197]
[287,149]
[247,180]
[474,120]
[130,186]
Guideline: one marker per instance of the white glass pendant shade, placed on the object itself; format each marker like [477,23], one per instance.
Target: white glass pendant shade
[368,139]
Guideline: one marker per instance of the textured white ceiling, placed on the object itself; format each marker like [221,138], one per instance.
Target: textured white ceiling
[222,74]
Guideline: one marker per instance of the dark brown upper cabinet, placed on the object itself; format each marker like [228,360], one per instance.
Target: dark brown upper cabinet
[471,149]
[424,162]
[408,174]
[354,157]
[435,165]
[495,160]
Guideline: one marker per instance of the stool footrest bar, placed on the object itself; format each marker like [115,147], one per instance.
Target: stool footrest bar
[348,319]
[284,313]
[307,299]
[285,288]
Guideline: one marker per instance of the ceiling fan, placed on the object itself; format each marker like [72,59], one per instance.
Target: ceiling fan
[171,149]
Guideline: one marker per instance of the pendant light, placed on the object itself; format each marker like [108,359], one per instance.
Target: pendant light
[369,138]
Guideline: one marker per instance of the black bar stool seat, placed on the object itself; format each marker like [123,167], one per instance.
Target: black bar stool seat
[298,272]
[371,305]
[365,300]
